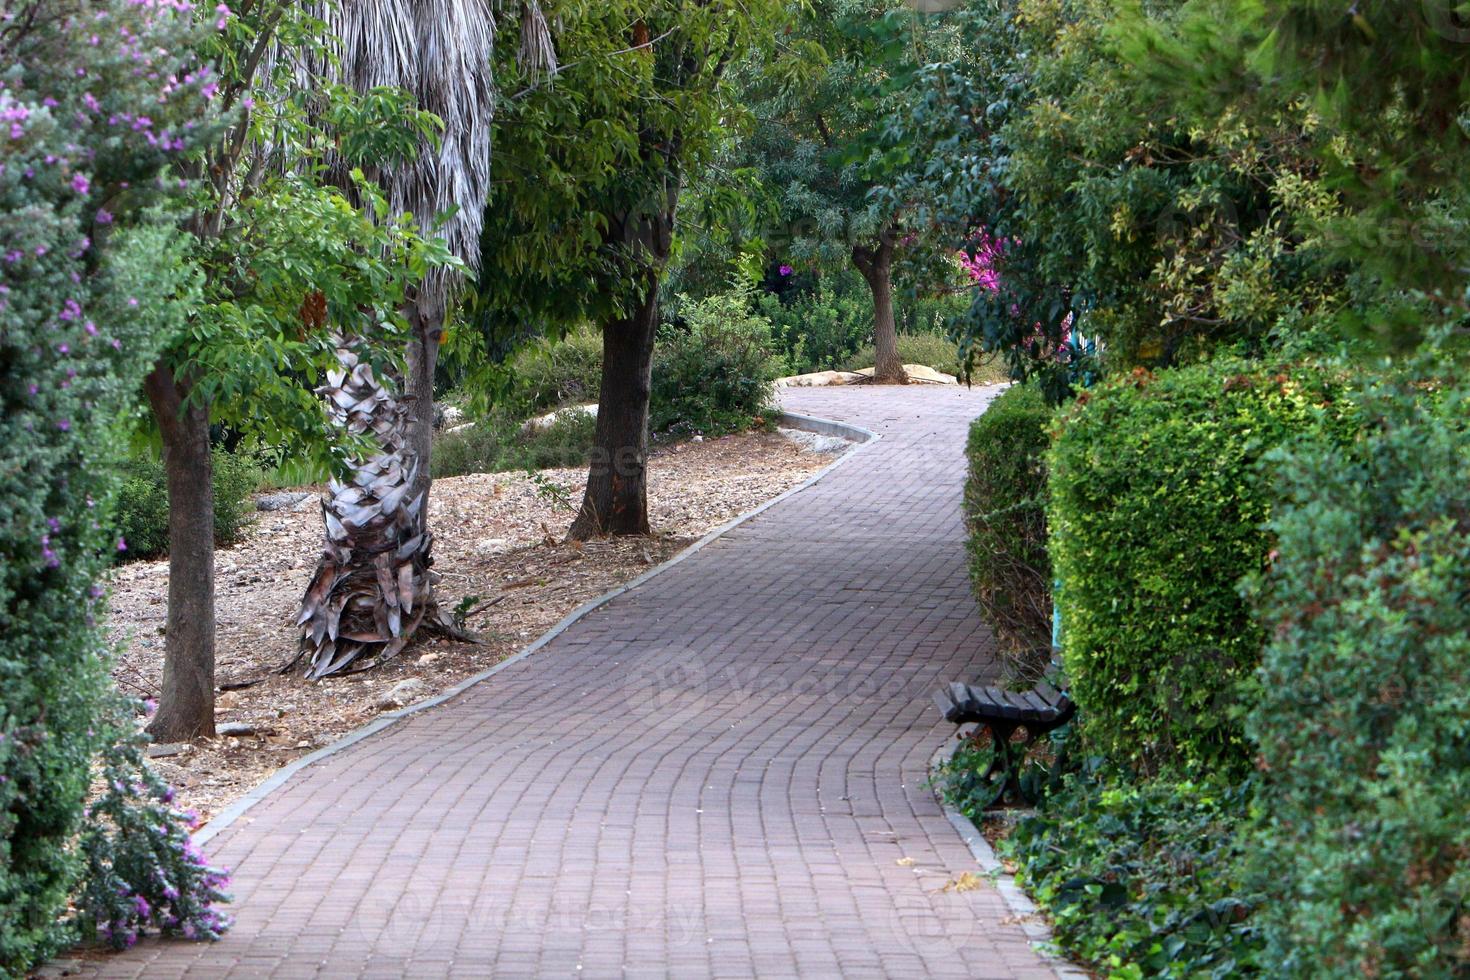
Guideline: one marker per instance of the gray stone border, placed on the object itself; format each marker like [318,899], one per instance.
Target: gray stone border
[860,437]
[1030,919]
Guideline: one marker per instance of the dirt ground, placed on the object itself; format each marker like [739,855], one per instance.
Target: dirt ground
[498,541]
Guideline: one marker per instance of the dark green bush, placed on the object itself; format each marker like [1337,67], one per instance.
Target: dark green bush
[141,514]
[546,374]
[1005,515]
[1362,720]
[500,443]
[714,375]
[821,329]
[1143,878]
[1156,514]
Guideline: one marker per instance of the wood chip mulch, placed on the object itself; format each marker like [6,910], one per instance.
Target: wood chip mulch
[498,538]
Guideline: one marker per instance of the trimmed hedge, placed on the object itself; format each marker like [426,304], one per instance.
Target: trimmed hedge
[1005,515]
[1156,514]
[1362,720]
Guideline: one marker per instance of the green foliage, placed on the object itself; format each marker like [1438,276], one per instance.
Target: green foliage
[1005,515]
[143,869]
[583,164]
[1156,512]
[820,328]
[141,509]
[714,374]
[1362,718]
[548,373]
[1132,188]
[499,443]
[1144,878]
[92,280]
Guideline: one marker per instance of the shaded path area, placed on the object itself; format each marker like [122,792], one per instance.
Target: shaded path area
[720,773]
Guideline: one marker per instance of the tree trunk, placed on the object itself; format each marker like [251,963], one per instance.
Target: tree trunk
[186,701]
[875,262]
[427,331]
[616,501]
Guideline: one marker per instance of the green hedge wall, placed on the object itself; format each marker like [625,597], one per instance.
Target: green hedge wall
[1005,516]
[1156,512]
[1363,716]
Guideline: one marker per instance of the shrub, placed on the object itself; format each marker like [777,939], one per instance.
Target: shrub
[1156,514]
[1143,878]
[143,870]
[141,514]
[714,376]
[499,443]
[1005,514]
[819,330]
[546,373]
[1363,716]
[87,297]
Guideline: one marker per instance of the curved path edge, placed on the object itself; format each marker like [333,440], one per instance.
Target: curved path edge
[1031,920]
[861,438]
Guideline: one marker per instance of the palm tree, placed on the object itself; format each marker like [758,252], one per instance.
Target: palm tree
[439,52]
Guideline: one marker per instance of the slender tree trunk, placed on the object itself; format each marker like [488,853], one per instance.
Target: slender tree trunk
[427,326]
[186,701]
[875,262]
[616,501]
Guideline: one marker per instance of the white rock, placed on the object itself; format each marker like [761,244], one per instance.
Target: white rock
[490,546]
[815,442]
[543,422]
[919,374]
[404,693]
[286,500]
[819,379]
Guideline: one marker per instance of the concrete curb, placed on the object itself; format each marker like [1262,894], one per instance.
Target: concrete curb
[1032,923]
[860,437]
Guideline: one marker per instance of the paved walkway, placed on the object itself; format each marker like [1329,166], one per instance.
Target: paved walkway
[721,773]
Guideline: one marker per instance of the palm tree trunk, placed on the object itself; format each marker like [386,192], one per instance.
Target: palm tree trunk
[426,331]
[186,699]
[372,588]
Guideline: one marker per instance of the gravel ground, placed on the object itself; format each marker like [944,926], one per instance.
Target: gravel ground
[498,538]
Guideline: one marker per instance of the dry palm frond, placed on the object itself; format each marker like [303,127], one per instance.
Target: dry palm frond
[372,586]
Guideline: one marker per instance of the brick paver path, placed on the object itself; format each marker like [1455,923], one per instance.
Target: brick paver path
[722,773]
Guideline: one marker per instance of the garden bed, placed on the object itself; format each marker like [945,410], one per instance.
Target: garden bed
[498,537]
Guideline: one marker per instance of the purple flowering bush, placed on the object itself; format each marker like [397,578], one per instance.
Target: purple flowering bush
[143,870]
[98,99]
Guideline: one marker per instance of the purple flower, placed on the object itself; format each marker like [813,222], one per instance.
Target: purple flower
[104,217]
[122,545]
[786,270]
[80,184]
[65,426]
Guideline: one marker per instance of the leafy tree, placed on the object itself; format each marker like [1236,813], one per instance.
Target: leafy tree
[586,185]
[1154,215]
[282,254]
[816,103]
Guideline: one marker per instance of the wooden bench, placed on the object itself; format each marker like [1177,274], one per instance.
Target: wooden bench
[1039,710]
